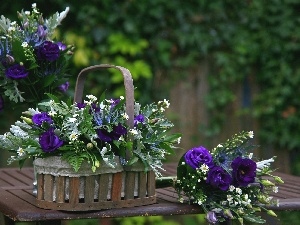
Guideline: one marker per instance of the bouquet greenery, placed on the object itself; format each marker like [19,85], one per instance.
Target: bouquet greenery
[95,131]
[227,182]
[30,62]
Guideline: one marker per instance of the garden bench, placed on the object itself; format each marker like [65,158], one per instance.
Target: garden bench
[17,200]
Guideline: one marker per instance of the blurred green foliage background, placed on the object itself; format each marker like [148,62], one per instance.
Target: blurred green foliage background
[255,44]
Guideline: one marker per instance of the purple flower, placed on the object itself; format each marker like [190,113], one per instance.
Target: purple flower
[139,119]
[64,87]
[61,46]
[115,134]
[197,156]
[16,72]
[217,177]
[48,51]
[49,141]
[80,105]
[114,102]
[211,217]
[40,118]
[41,32]
[1,103]
[243,171]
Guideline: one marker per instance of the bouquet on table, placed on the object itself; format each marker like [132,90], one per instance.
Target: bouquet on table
[95,131]
[227,182]
[31,64]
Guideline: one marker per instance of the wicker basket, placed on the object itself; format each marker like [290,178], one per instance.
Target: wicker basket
[60,188]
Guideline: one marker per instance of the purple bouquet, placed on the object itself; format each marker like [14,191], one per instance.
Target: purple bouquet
[227,182]
[31,63]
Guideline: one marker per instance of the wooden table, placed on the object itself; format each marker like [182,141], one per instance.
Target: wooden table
[17,203]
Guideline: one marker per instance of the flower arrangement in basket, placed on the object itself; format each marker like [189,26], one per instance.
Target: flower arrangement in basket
[227,182]
[95,131]
[116,142]
[31,63]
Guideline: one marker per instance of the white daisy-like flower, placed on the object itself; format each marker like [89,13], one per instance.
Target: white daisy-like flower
[21,152]
[133,131]
[204,168]
[121,97]
[251,134]
[231,188]
[24,44]
[238,190]
[73,136]
[125,116]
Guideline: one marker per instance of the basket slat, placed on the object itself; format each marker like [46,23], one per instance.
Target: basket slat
[74,190]
[116,187]
[151,183]
[48,187]
[142,190]
[103,187]
[40,187]
[60,189]
[89,189]
[129,185]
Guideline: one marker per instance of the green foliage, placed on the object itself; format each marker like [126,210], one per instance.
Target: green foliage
[244,41]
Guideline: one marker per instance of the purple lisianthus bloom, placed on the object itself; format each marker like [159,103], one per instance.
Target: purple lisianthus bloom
[1,103]
[118,131]
[40,118]
[197,156]
[48,51]
[243,171]
[139,119]
[217,177]
[49,141]
[104,135]
[61,46]
[16,72]
[64,87]
[41,32]
[211,217]
[80,105]
[115,134]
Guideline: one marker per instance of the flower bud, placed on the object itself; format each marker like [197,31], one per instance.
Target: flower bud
[278,180]
[89,145]
[211,217]
[267,183]
[271,213]
[228,213]
[26,120]
[97,163]
[241,220]
[20,16]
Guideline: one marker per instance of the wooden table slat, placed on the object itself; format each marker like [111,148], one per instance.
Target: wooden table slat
[18,203]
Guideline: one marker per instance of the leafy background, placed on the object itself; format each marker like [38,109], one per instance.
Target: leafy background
[250,45]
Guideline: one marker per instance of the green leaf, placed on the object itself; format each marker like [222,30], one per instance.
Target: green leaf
[48,80]
[18,51]
[173,137]
[53,97]
[253,218]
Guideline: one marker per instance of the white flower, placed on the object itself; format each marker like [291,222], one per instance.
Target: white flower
[265,163]
[21,152]
[24,44]
[275,189]
[133,131]
[73,137]
[33,5]
[27,13]
[199,202]
[204,168]
[251,134]
[167,103]
[231,188]
[179,140]
[250,155]
[238,190]
[121,97]
[92,98]
[125,116]
[220,146]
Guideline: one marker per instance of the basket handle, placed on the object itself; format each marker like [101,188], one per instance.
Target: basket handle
[128,83]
